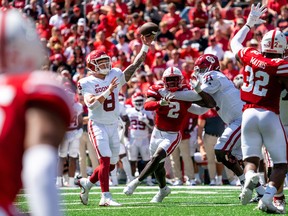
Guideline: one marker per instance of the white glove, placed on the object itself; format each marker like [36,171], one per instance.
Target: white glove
[255,14]
[196,84]
[144,119]
[166,100]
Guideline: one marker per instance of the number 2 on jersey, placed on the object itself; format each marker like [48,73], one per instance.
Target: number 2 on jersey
[256,86]
[174,111]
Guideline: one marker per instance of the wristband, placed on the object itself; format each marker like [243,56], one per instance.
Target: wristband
[144,48]
[248,26]
[106,93]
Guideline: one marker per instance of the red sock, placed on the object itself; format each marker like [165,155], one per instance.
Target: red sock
[94,177]
[104,173]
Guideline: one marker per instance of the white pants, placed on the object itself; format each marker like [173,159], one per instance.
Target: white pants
[263,127]
[70,144]
[230,139]
[136,146]
[166,140]
[105,139]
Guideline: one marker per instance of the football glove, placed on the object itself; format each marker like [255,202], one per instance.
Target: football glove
[255,14]
[195,84]
[166,100]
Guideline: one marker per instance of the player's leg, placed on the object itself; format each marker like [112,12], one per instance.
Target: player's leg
[99,137]
[176,166]
[82,156]
[109,162]
[251,143]
[209,143]
[73,154]
[145,155]
[160,175]
[224,148]
[274,134]
[62,153]
[184,148]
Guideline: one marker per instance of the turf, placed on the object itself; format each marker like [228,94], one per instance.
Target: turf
[184,200]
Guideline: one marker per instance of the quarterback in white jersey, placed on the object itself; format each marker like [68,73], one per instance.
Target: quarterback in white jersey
[100,91]
[140,122]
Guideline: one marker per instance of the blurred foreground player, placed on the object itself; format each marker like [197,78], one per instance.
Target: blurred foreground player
[34,114]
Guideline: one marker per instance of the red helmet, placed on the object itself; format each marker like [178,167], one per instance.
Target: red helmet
[138,100]
[172,78]
[98,61]
[205,63]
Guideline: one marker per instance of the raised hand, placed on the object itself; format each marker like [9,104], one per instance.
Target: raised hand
[147,40]
[255,14]
[114,83]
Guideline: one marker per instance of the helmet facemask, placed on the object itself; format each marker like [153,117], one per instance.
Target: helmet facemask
[172,83]
[138,104]
[102,65]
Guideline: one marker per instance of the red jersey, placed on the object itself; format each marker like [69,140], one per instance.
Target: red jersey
[18,93]
[168,118]
[261,87]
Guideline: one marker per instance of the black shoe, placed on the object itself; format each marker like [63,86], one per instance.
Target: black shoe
[256,198]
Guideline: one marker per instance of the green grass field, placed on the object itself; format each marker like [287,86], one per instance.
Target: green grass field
[184,200]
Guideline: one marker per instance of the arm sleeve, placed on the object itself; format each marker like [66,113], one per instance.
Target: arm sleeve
[151,105]
[187,96]
[237,40]
[198,110]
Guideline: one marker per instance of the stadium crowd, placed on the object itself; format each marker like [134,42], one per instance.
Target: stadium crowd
[71,29]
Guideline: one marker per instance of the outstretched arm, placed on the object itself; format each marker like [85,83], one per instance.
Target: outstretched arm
[253,19]
[129,71]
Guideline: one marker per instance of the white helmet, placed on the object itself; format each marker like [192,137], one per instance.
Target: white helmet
[274,41]
[172,78]
[21,49]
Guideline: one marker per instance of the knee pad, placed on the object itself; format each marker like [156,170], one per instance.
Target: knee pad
[226,158]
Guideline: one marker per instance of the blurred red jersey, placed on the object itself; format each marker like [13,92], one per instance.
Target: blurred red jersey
[168,118]
[261,88]
[18,93]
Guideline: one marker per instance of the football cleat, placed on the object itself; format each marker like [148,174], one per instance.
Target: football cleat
[106,200]
[266,206]
[247,191]
[83,184]
[280,204]
[178,182]
[212,182]
[130,188]
[162,193]
[256,198]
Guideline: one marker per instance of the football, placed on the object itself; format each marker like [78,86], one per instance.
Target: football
[148,29]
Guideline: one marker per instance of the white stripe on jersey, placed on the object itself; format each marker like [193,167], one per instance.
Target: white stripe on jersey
[152,92]
[282,69]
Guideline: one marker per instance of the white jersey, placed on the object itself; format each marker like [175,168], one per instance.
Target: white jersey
[108,112]
[77,110]
[138,129]
[226,95]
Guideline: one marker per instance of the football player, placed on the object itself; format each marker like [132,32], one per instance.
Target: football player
[140,122]
[34,115]
[71,143]
[265,76]
[229,108]
[100,91]
[169,115]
